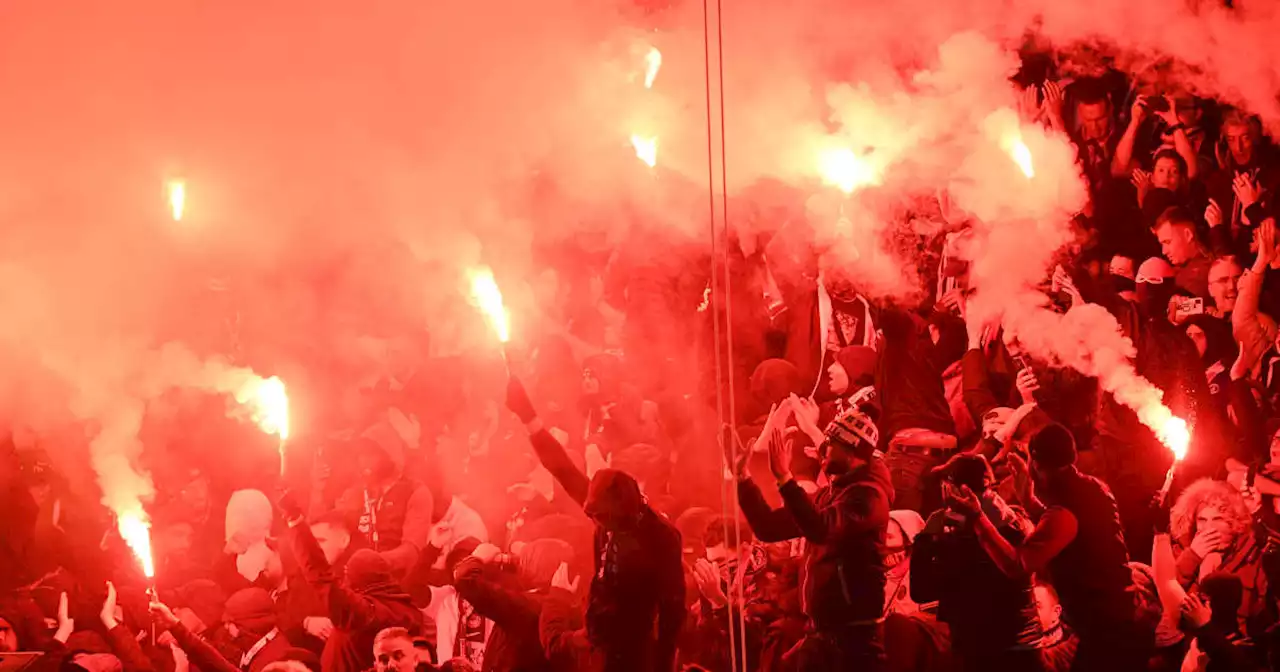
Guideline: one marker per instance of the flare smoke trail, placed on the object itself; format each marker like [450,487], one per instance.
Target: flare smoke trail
[342,165]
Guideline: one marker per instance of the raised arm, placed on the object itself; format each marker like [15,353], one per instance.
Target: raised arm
[552,455]
[855,508]
[769,525]
[1057,528]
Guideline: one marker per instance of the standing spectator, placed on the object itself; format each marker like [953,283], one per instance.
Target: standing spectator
[1179,243]
[359,607]
[636,605]
[1079,541]
[992,616]
[844,528]
[394,512]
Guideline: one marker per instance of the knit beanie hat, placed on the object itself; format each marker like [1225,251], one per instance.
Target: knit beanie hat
[251,610]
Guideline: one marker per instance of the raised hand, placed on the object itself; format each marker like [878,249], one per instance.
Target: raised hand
[561,579]
[1213,214]
[108,612]
[707,577]
[1028,385]
[1246,189]
[66,624]
[780,457]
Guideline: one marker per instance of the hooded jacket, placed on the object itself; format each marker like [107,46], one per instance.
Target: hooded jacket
[368,602]
[636,607]
[844,526]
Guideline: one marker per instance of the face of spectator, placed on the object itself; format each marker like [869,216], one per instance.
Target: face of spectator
[1167,174]
[394,654]
[1224,282]
[839,379]
[1189,113]
[590,384]
[195,494]
[375,466]
[1094,120]
[1122,266]
[1047,608]
[895,544]
[333,540]
[1196,334]
[1177,243]
[1213,518]
[1240,142]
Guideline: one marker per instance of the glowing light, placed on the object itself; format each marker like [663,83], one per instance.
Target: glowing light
[1176,437]
[653,63]
[1021,154]
[845,170]
[646,149]
[271,407]
[177,199]
[136,532]
[488,298]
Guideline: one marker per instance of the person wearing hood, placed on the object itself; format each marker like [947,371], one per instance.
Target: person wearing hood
[1212,338]
[1078,539]
[900,536]
[250,618]
[636,606]
[394,512]
[844,527]
[992,617]
[368,601]
[509,591]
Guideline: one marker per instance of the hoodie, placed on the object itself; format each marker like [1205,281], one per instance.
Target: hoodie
[844,525]
[636,607]
[369,601]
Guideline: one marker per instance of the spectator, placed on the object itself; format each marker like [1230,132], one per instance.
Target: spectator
[393,651]
[1212,526]
[844,530]
[394,512]
[991,616]
[367,602]
[1078,539]
[636,603]
[1178,241]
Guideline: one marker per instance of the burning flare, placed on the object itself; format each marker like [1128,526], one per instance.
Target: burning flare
[1022,156]
[846,170]
[177,198]
[1173,433]
[484,289]
[270,405]
[136,532]
[646,149]
[653,63]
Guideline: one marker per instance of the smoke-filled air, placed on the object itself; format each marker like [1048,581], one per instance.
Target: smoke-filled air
[259,208]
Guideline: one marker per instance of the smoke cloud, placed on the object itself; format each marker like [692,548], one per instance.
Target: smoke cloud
[346,164]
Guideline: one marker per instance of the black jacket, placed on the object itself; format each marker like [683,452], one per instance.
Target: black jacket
[986,610]
[636,607]
[513,644]
[844,526]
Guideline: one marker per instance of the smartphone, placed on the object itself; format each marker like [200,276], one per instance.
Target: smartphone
[1188,306]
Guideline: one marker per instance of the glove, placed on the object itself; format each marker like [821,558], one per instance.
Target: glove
[518,401]
[1159,513]
[289,507]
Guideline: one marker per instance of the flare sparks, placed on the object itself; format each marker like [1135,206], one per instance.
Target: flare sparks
[653,63]
[646,149]
[845,170]
[177,199]
[488,298]
[136,532]
[1022,156]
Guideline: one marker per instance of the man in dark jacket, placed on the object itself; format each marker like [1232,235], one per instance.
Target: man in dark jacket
[512,600]
[636,606]
[844,527]
[1079,541]
[369,601]
[992,617]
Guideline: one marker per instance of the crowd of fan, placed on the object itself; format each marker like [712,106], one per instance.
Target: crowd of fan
[894,488]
